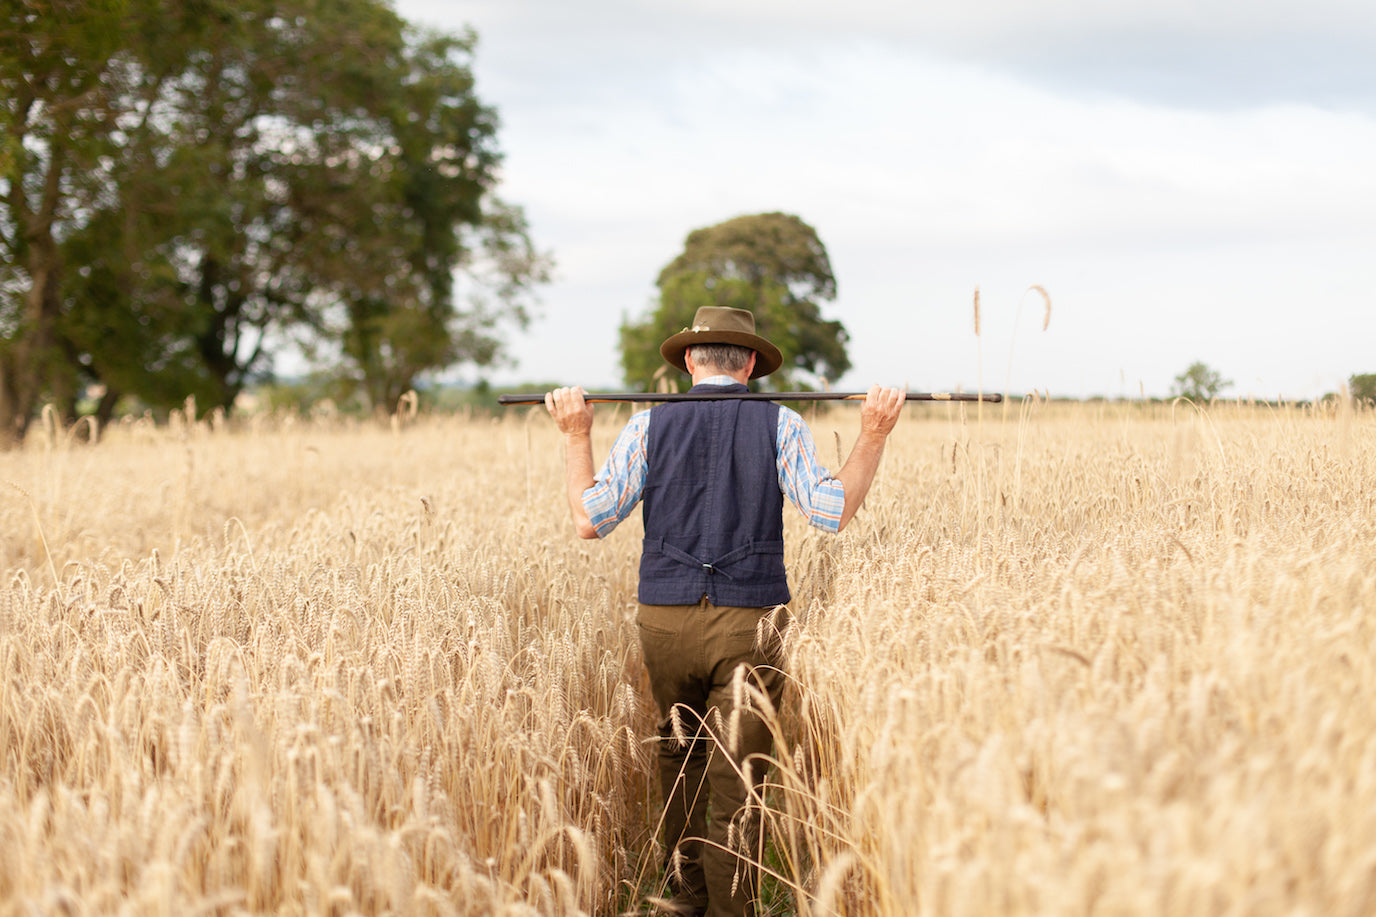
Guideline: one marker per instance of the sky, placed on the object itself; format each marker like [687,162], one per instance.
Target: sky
[1188,180]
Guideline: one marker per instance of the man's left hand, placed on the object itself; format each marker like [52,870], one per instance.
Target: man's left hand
[572,415]
[879,413]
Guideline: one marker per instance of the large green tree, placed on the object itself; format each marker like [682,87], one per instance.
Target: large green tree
[258,171]
[59,73]
[773,264]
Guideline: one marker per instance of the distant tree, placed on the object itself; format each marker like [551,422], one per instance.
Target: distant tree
[1200,383]
[770,263]
[1362,387]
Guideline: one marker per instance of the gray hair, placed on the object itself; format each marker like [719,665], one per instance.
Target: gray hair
[729,358]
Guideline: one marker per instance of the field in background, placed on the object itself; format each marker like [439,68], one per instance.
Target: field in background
[1070,659]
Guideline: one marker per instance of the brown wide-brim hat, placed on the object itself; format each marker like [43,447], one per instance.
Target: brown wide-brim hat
[723,325]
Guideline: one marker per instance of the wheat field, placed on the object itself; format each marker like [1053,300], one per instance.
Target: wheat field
[1087,659]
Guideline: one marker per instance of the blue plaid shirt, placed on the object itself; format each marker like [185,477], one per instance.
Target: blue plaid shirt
[621,480]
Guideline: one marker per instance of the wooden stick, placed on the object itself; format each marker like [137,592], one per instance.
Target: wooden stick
[663,397]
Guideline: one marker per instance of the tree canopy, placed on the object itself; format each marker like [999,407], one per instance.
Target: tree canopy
[1362,387]
[773,264]
[188,188]
[1200,383]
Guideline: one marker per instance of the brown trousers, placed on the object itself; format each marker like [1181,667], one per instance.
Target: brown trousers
[707,747]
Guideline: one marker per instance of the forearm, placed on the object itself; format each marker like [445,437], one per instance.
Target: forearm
[857,474]
[578,462]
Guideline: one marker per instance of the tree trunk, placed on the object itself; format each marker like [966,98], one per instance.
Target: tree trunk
[41,364]
[30,352]
[105,410]
[32,361]
[8,434]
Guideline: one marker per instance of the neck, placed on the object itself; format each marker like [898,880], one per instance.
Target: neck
[702,373]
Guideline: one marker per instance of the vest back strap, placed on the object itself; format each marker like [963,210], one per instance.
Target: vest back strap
[660,546]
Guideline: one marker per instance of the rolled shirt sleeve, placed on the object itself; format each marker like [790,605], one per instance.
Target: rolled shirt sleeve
[819,496]
[617,486]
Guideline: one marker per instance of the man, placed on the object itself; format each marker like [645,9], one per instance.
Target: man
[712,476]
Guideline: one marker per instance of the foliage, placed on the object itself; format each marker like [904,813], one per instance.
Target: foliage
[58,69]
[774,265]
[1362,386]
[1200,383]
[225,177]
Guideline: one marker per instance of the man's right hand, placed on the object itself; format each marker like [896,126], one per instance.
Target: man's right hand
[572,415]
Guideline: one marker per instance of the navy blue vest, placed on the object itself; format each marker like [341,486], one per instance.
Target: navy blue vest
[713,510]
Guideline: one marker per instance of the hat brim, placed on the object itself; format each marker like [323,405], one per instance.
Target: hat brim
[768,360]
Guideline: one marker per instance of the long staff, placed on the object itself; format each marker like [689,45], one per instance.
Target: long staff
[661,397]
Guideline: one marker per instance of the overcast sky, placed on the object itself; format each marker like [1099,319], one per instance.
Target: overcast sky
[1188,179]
